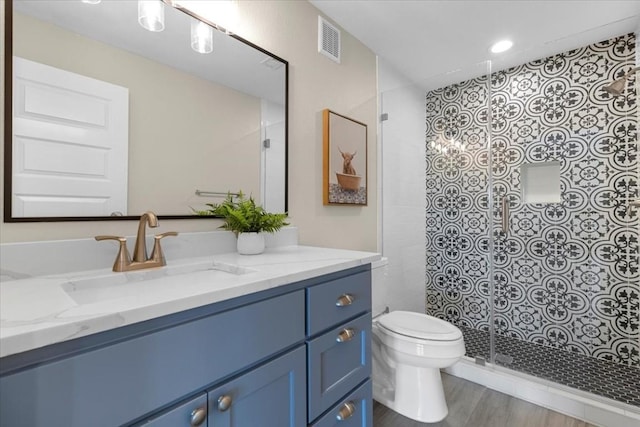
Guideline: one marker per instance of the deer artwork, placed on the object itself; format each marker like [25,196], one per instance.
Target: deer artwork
[347,168]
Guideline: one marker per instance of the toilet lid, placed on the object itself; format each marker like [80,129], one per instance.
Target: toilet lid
[419,325]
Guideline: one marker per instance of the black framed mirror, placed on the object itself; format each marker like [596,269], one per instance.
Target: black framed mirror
[105,120]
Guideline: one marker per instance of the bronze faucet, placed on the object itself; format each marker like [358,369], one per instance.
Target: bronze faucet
[140,260]
[140,249]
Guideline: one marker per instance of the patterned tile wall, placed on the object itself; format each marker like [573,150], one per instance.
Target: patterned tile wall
[566,274]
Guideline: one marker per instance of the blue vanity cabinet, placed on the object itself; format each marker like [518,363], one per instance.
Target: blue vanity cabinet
[339,349]
[291,356]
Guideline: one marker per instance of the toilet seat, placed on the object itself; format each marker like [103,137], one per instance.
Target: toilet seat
[420,326]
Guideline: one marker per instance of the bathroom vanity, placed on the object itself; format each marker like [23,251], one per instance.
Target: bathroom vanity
[279,339]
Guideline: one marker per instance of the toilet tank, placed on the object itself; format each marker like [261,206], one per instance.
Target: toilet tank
[380,289]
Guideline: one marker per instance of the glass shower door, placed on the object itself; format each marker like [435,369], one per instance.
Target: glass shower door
[565,234]
[458,208]
[531,239]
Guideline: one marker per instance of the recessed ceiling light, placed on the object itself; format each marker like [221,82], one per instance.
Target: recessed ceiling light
[501,46]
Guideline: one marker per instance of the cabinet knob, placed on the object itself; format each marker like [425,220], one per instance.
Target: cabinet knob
[347,411]
[198,416]
[224,403]
[345,335]
[345,300]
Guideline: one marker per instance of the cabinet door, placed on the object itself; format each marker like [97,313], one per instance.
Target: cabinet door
[339,360]
[272,395]
[190,414]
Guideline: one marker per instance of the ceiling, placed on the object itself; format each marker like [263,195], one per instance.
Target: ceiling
[435,43]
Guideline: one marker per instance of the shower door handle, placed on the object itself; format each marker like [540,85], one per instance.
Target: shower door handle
[505,214]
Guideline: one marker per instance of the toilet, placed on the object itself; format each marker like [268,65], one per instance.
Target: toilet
[408,351]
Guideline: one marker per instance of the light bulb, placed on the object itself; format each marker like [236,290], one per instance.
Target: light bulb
[151,14]
[501,46]
[201,37]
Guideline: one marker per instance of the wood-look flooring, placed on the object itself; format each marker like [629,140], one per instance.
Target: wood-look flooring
[474,405]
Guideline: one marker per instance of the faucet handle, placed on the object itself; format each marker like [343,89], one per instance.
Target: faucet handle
[123,259]
[157,255]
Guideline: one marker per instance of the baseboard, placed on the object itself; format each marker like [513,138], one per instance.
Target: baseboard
[593,409]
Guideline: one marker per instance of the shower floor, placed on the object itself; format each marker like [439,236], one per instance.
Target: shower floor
[607,379]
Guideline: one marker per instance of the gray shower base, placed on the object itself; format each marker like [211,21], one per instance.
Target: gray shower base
[600,377]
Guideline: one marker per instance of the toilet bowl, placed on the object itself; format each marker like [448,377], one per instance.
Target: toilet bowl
[408,350]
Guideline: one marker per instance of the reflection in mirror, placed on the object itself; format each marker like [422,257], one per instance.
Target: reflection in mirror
[110,119]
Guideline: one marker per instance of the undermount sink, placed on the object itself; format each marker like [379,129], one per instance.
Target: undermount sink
[135,283]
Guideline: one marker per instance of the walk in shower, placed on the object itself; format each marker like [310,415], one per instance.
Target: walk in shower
[532,226]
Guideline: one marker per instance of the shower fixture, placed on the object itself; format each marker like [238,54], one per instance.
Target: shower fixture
[617,86]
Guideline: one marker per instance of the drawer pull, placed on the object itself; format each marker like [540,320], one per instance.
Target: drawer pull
[345,335]
[198,416]
[224,403]
[345,300]
[347,411]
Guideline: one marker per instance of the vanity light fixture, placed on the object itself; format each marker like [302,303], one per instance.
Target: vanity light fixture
[501,46]
[151,14]
[91,1]
[201,37]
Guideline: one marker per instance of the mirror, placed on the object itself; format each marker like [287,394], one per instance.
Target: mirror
[110,120]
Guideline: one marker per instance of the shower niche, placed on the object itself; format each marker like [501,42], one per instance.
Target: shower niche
[540,182]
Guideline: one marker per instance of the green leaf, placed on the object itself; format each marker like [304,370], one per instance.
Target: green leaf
[243,215]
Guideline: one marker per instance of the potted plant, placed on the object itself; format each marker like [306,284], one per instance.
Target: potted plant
[247,220]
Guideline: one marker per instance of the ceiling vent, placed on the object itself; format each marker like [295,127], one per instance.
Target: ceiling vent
[328,40]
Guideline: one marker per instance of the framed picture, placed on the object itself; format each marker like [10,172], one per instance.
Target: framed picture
[344,160]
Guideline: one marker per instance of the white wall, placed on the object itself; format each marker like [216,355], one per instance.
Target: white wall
[403,189]
[289,30]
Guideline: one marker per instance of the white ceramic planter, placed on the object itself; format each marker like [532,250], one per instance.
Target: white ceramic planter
[250,243]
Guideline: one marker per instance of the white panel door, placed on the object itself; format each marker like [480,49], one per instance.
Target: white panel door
[70,143]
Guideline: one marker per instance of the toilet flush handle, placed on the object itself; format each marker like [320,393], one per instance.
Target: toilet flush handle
[345,300]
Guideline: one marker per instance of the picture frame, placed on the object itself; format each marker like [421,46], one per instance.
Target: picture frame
[344,160]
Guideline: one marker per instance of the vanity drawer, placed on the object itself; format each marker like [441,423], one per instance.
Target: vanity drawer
[334,302]
[355,410]
[338,361]
[121,382]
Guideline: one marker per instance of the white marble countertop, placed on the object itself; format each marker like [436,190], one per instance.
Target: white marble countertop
[39,311]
